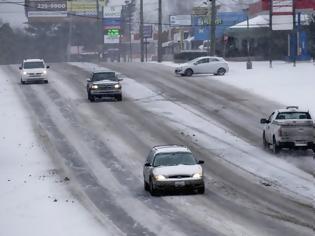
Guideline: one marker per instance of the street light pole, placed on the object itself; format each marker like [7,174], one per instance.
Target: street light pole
[130,45]
[249,63]
[213,27]
[141,31]
[159,52]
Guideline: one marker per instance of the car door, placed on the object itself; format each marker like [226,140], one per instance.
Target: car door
[148,169]
[214,65]
[200,66]
[269,130]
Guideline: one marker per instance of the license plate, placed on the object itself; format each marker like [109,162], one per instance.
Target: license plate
[180,184]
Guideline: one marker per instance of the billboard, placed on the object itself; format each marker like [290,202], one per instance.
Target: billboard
[112,12]
[111,24]
[45,8]
[180,20]
[201,24]
[282,14]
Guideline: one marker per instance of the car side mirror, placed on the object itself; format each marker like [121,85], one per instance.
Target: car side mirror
[120,79]
[264,121]
[88,80]
[195,63]
[201,162]
[20,67]
[147,164]
[47,67]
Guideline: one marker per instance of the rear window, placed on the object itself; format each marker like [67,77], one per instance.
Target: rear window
[188,56]
[32,65]
[293,115]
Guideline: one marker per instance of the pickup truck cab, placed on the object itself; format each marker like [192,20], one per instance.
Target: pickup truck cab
[288,128]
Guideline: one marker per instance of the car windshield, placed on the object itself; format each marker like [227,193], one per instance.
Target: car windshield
[36,64]
[293,115]
[104,76]
[173,159]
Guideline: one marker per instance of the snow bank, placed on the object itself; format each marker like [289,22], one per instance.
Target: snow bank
[34,198]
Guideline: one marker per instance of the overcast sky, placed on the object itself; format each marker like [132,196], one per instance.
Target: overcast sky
[12,13]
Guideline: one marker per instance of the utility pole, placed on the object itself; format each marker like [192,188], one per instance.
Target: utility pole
[99,23]
[270,33]
[159,52]
[141,31]
[295,35]
[213,27]
[130,45]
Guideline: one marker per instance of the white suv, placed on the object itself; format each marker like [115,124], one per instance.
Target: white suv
[33,70]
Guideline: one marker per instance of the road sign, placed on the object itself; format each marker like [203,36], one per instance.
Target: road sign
[147,31]
[282,14]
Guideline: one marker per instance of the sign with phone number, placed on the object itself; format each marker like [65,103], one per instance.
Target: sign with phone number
[44,5]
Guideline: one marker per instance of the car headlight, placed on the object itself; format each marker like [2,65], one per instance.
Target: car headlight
[24,73]
[45,72]
[117,86]
[159,177]
[197,176]
[94,86]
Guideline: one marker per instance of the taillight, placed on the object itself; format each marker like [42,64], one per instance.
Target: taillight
[280,132]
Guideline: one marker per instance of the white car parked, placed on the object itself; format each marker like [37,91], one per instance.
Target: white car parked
[203,65]
[172,167]
[33,70]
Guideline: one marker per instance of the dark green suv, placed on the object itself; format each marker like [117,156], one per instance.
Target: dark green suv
[104,84]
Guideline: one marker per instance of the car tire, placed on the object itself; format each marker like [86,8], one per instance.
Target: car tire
[146,186]
[152,189]
[275,147]
[119,97]
[22,82]
[46,81]
[189,72]
[221,71]
[201,190]
[265,143]
[91,97]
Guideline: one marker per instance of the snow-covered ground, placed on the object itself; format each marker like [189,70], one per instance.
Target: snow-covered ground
[280,174]
[283,82]
[35,199]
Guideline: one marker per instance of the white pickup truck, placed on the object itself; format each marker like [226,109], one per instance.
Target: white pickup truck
[289,128]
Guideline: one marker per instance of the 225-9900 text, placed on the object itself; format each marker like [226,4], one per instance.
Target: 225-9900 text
[51,6]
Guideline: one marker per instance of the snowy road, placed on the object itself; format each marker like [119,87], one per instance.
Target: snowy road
[102,146]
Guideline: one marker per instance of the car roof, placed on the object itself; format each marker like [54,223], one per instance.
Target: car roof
[292,109]
[33,60]
[103,71]
[170,149]
[208,57]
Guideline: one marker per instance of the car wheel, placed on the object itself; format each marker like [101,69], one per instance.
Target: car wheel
[91,97]
[201,190]
[221,71]
[189,72]
[275,147]
[46,81]
[22,82]
[119,97]
[265,143]
[146,186]
[152,189]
